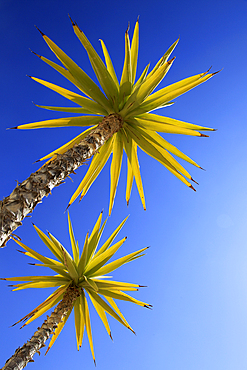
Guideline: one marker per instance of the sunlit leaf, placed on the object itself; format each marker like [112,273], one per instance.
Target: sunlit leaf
[132,99]
[80,273]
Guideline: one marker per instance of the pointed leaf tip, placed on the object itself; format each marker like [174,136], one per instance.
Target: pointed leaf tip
[194,181]
[73,23]
[192,187]
[131,330]
[67,207]
[207,71]
[215,73]
[203,135]
[39,30]
[35,53]
[171,60]
[47,350]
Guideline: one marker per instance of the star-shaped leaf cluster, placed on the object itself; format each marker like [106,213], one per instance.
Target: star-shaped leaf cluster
[131,99]
[87,272]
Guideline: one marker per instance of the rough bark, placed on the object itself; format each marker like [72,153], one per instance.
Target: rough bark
[25,354]
[26,195]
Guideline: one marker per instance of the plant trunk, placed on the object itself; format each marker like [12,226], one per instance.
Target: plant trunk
[25,197]
[23,355]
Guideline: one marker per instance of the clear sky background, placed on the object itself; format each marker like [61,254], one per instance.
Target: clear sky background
[196,268]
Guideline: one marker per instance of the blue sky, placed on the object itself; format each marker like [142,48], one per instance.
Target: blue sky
[196,268]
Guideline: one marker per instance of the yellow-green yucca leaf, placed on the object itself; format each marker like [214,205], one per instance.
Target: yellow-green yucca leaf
[68,121]
[79,322]
[75,98]
[82,272]
[93,239]
[126,78]
[101,312]
[51,301]
[132,99]
[130,147]
[98,162]
[68,145]
[87,85]
[106,245]
[66,109]
[109,64]
[134,51]
[74,245]
[104,77]
[117,154]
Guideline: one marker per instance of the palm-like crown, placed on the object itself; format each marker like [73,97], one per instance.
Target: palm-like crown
[84,273]
[132,101]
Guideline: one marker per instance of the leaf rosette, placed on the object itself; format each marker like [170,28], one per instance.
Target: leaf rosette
[131,99]
[87,273]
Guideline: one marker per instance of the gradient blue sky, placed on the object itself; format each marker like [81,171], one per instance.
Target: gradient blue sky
[196,268]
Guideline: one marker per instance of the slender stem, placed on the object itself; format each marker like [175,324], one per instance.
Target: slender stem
[26,195]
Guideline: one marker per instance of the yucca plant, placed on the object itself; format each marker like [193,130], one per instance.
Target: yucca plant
[118,114]
[78,276]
